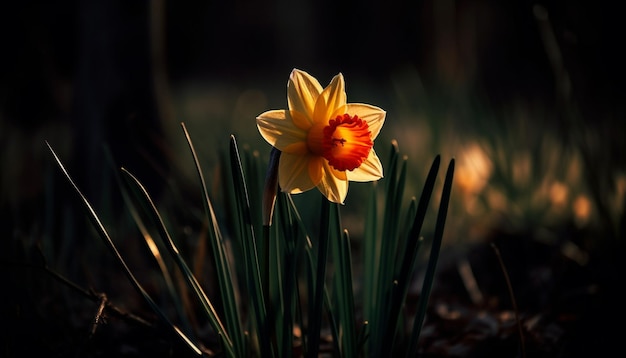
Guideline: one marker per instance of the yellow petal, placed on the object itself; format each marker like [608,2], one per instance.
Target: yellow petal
[293,173]
[316,169]
[299,148]
[370,170]
[374,116]
[302,92]
[300,120]
[278,129]
[339,174]
[331,98]
[334,184]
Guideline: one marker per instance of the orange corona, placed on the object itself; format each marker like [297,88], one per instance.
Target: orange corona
[346,142]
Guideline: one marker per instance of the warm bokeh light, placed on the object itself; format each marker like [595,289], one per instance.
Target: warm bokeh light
[472,175]
[582,209]
[474,169]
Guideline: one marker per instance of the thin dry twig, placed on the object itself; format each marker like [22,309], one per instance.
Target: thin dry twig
[99,318]
[93,296]
[513,301]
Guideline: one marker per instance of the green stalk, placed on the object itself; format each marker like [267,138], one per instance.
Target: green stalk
[315,318]
[370,257]
[286,234]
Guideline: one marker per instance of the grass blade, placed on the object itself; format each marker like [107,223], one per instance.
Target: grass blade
[388,248]
[104,235]
[432,262]
[222,266]
[305,245]
[248,242]
[343,295]
[142,196]
[156,254]
[407,265]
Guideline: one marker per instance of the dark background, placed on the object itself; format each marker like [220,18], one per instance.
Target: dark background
[494,46]
[87,74]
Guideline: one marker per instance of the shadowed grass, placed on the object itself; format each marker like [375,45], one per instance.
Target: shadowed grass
[282,316]
[104,235]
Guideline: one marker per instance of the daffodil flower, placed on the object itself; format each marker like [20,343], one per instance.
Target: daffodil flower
[325,142]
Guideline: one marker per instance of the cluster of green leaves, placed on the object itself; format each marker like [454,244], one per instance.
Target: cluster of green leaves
[273,279]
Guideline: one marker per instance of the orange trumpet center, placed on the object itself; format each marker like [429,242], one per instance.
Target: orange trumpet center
[345,142]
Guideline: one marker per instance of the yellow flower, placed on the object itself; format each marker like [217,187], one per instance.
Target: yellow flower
[325,141]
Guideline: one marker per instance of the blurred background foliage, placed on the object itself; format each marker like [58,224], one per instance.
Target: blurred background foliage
[527,96]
